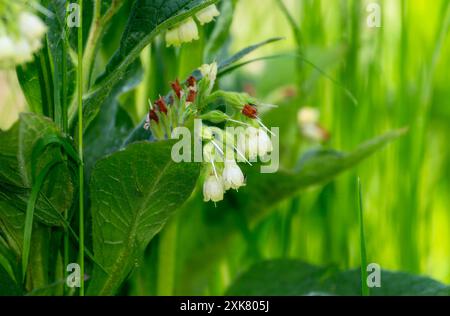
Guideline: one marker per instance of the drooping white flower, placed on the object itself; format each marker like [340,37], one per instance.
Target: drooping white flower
[188,31]
[248,143]
[213,189]
[264,143]
[233,178]
[7,49]
[207,14]
[31,26]
[173,38]
[185,32]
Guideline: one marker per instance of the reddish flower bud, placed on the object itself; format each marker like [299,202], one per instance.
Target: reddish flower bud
[161,103]
[153,116]
[191,82]
[177,88]
[191,96]
[250,111]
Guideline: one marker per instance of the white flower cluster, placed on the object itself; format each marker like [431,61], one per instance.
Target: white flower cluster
[241,137]
[18,47]
[187,31]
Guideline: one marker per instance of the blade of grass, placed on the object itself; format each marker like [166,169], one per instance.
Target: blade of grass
[80,144]
[364,288]
[30,213]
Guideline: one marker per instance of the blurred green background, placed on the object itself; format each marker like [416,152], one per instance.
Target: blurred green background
[399,76]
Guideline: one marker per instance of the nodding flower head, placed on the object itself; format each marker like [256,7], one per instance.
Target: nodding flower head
[31,26]
[162,106]
[213,189]
[177,88]
[207,14]
[250,111]
[185,32]
[188,31]
[233,178]
[264,143]
[254,142]
[173,38]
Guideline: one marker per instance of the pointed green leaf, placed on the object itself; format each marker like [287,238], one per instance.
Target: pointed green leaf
[133,193]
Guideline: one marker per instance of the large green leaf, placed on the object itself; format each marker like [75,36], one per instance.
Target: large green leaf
[148,18]
[16,161]
[133,193]
[113,124]
[294,278]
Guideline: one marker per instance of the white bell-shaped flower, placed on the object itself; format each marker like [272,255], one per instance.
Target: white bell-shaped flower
[188,31]
[31,26]
[233,178]
[264,143]
[213,189]
[207,15]
[173,38]
[248,143]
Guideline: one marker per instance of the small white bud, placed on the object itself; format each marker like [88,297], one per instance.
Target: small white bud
[213,189]
[207,14]
[209,71]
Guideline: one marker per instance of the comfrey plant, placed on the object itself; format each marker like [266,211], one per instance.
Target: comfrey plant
[21,32]
[227,138]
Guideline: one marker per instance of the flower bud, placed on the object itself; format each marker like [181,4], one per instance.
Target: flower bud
[215,116]
[209,71]
[207,14]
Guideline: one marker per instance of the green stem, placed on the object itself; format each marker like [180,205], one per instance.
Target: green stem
[99,23]
[80,145]
[364,288]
